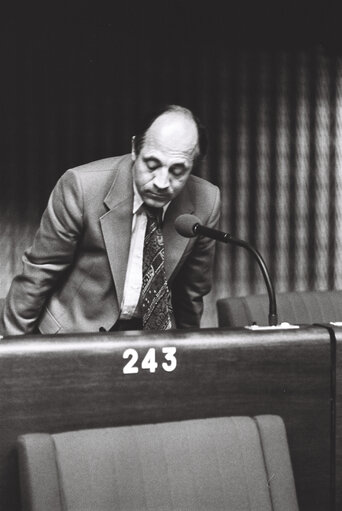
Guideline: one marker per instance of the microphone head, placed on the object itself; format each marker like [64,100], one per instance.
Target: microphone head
[185,224]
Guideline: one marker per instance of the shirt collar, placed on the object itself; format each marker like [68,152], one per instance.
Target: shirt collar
[137,200]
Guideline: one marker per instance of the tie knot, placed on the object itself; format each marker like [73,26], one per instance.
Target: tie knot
[154,213]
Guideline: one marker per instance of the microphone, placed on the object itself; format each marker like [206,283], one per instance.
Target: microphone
[189,226]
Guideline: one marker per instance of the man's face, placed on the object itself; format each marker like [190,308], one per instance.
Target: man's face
[162,167]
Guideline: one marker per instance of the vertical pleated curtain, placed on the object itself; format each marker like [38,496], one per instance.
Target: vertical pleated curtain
[279,145]
[280,170]
[274,119]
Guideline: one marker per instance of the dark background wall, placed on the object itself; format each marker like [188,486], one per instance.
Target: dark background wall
[266,79]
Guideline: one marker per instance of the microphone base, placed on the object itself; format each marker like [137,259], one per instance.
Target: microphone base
[282,326]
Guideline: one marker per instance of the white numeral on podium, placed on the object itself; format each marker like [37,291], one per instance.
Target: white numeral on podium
[149,361]
[170,357]
[130,367]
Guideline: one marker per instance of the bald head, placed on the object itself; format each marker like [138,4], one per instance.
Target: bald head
[175,133]
[181,113]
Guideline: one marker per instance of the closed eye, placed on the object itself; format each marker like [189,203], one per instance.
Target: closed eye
[178,170]
[152,163]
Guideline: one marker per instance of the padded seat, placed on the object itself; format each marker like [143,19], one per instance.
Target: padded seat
[296,307]
[236,463]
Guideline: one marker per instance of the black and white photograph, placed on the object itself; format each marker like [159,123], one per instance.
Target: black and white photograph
[171,256]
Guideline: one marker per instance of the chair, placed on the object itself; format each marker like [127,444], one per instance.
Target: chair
[236,463]
[294,307]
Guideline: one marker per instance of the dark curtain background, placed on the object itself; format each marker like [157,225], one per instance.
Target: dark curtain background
[265,79]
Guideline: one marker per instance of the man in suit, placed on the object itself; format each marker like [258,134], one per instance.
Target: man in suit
[83,272]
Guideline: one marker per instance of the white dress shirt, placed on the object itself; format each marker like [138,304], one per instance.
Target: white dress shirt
[133,281]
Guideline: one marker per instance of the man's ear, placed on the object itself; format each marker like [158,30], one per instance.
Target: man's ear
[133,154]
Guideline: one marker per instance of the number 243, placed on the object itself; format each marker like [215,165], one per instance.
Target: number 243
[149,360]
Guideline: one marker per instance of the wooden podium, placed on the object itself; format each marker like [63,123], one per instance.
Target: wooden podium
[69,382]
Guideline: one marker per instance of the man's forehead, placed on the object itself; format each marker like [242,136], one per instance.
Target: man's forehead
[173,132]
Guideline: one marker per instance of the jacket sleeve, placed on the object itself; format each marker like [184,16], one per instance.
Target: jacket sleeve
[194,280]
[50,255]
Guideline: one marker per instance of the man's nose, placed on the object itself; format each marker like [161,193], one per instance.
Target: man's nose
[161,179]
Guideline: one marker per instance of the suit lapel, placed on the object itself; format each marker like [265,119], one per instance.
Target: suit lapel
[175,244]
[116,224]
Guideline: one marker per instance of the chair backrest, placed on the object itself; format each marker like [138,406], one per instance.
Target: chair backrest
[236,463]
[297,307]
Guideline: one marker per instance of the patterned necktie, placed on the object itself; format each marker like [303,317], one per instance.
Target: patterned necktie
[155,294]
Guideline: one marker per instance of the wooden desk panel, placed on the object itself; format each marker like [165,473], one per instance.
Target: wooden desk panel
[75,382]
[338,411]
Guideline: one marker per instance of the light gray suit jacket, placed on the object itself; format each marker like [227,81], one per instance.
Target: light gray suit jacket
[74,272]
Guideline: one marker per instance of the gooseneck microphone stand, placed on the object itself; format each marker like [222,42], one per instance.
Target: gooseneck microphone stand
[228,238]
